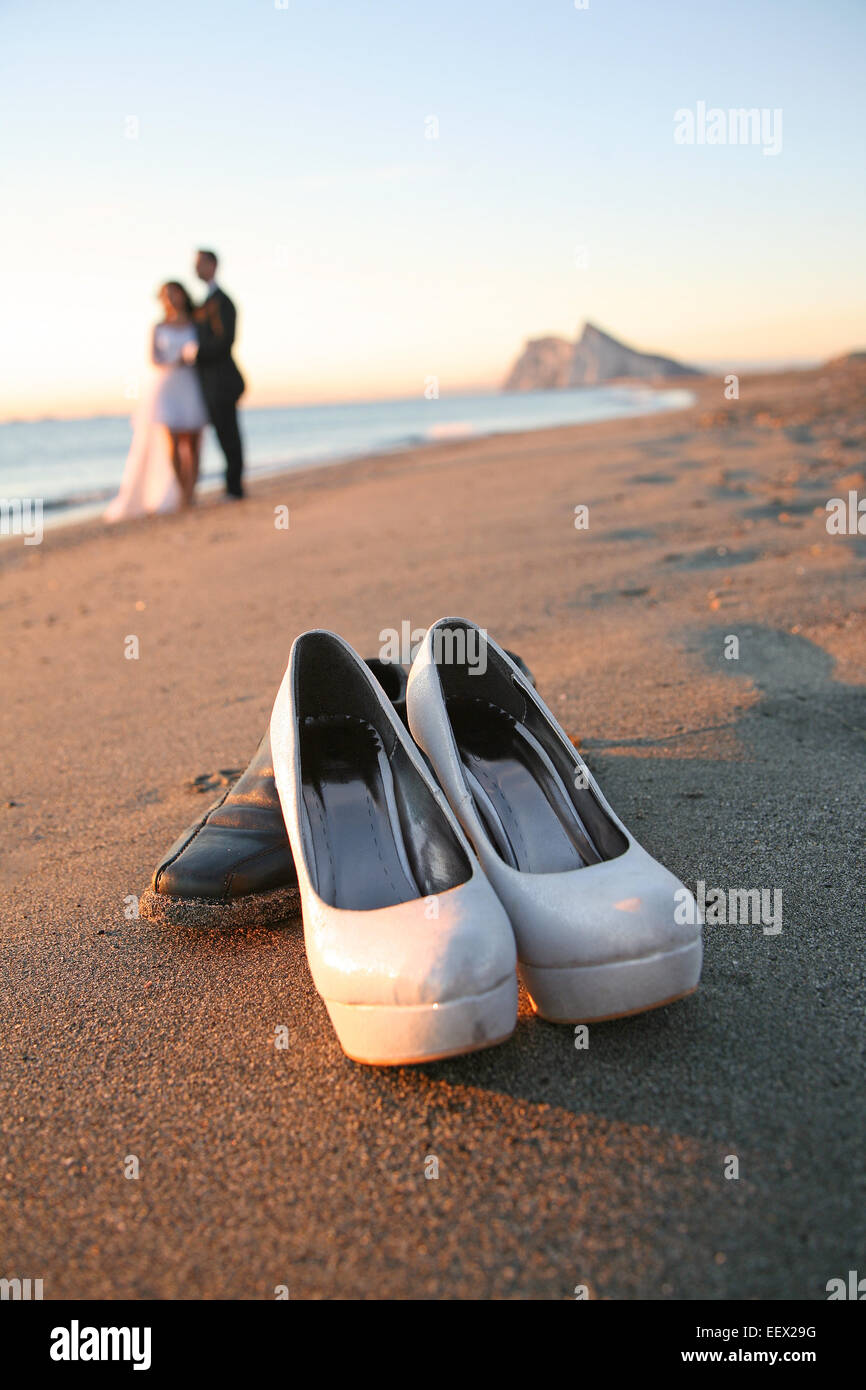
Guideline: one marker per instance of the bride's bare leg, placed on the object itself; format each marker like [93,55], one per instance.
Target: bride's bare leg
[176,460]
[188,468]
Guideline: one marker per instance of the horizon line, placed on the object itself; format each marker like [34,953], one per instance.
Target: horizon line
[712,367]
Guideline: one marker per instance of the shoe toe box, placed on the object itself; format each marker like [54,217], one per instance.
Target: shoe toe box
[624,909]
[431,950]
[224,863]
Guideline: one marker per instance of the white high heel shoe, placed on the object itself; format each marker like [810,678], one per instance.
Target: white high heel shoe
[407,942]
[597,919]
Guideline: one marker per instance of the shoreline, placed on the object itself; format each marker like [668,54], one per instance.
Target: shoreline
[704,391]
[61,513]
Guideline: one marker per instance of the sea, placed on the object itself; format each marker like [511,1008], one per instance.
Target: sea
[75,466]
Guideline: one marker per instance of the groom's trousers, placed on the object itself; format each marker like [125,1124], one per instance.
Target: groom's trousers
[224,418]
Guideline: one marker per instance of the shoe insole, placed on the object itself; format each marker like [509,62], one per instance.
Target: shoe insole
[519,794]
[348,792]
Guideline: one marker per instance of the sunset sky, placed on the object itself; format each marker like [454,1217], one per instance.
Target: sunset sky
[363,255]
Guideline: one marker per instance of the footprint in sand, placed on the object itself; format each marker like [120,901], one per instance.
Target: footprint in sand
[729,492]
[611,595]
[212,781]
[653,479]
[777,511]
[630,533]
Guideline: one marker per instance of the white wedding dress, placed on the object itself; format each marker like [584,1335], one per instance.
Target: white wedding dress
[172,398]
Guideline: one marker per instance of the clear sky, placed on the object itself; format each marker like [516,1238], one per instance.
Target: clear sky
[366,257]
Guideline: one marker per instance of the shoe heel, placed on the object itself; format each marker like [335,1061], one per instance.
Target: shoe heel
[395,1035]
[593,993]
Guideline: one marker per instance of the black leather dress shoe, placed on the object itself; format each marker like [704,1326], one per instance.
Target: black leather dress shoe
[233,867]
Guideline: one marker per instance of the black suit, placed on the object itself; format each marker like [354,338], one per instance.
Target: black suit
[221,383]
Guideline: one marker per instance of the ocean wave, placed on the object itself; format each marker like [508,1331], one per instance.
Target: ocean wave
[452,429]
[78,499]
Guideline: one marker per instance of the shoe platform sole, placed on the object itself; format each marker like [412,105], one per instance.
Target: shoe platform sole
[595,993]
[397,1035]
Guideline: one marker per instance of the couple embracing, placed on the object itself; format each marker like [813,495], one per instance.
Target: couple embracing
[194,380]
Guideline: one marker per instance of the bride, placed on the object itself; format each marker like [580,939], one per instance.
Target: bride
[162,467]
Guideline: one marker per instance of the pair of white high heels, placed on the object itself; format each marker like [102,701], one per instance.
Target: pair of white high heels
[428,882]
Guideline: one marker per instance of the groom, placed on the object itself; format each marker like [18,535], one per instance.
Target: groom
[221,383]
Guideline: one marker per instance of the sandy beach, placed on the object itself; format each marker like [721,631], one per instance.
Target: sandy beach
[557,1167]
